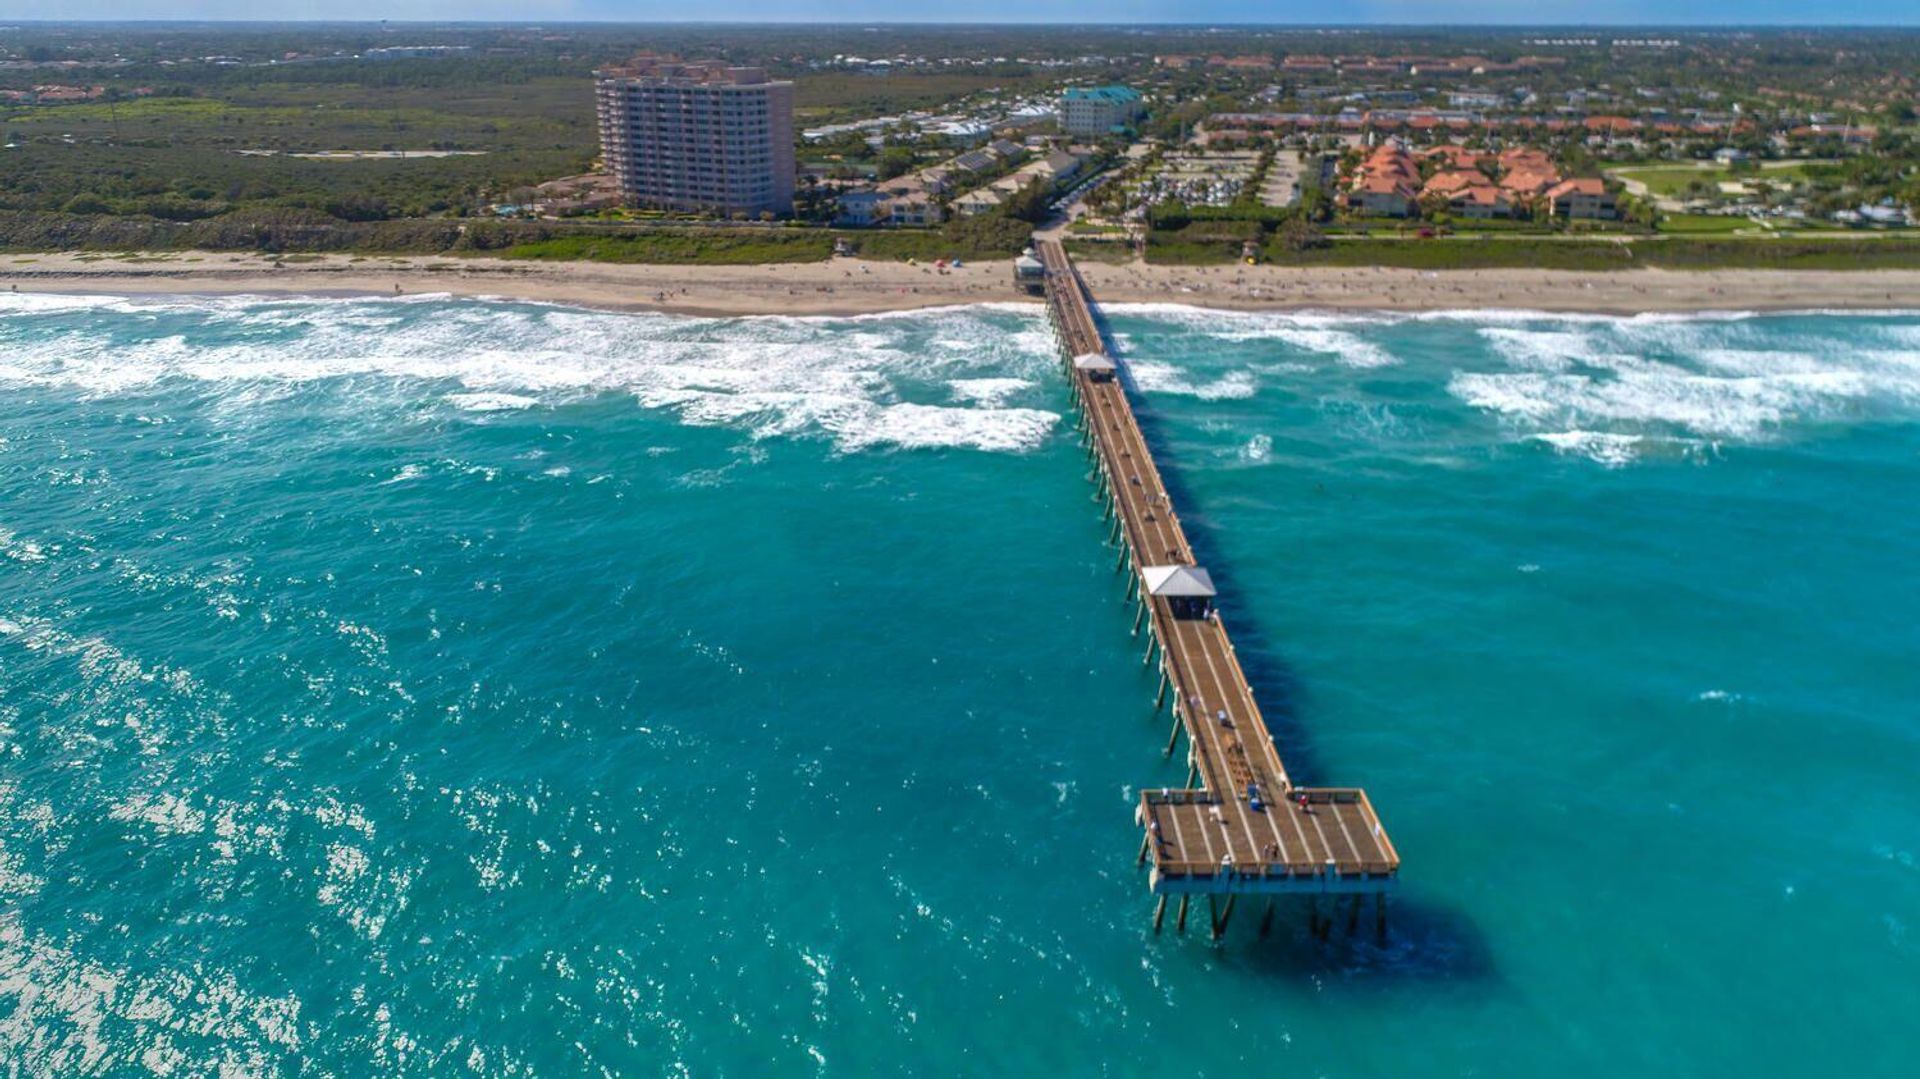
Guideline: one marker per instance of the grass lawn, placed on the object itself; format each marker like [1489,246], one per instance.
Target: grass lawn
[1097,251]
[1704,224]
[1672,180]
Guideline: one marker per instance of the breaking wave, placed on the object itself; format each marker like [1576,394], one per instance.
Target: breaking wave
[1339,337]
[1154,376]
[981,376]
[1609,386]
[953,377]
[1610,389]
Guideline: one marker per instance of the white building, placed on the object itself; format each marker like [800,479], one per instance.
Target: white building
[1100,110]
[700,136]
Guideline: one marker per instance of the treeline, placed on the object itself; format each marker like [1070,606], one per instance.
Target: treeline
[191,182]
[264,230]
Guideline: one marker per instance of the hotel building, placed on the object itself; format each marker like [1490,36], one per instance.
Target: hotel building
[1103,110]
[697,136]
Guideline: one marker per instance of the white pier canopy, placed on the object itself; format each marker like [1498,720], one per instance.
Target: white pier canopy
[1098,367]
[1187,589]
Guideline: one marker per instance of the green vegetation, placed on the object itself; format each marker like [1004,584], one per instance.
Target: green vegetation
[1098,251]
[266,231]
[682,246]
[180,158]
[995,235]
[1671,180]
[1677,181]
[277,232]
[1694,224]
[970,238]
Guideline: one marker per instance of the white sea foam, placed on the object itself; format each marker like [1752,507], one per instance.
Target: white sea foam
[1154,376]
[1759,362]
[1745,408]
[926,426]
[1677,378]
[1348,348]
[490,402]
[1607,448]
[770,375]
[957,371]
[1541,350]
[987,391]
[1907,336]
[47,303]
[907,314]
[1331,335]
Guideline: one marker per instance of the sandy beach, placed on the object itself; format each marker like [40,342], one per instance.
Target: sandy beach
[854,286]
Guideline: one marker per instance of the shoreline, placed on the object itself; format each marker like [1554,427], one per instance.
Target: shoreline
[845,286]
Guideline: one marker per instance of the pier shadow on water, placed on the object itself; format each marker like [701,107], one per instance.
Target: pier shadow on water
[1426,940]
[1425,944]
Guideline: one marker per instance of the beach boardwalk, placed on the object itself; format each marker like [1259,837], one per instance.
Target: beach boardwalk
[1239,827]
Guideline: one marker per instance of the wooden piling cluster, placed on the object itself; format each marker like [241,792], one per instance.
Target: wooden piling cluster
[1239,826]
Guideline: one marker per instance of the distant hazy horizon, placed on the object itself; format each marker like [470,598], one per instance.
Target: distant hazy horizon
[1408,13]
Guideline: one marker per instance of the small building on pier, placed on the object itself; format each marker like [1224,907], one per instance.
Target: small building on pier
[1097,367]
[1188,590]
[1029,273]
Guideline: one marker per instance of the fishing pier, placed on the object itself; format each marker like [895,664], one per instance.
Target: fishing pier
[1239,827]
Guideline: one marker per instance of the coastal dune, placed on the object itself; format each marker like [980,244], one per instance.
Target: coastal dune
[846,286]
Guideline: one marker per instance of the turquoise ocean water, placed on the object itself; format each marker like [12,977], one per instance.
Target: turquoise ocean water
[434,687]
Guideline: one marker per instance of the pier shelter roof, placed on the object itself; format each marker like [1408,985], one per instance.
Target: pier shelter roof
[1177,581]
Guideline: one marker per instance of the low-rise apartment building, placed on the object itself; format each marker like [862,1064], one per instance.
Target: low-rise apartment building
[916,198]
[1386,183]
[1466,193]
[1585,197]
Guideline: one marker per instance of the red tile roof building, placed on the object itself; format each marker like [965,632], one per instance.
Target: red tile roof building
[1584,197]
[1386,182]
[1466,192]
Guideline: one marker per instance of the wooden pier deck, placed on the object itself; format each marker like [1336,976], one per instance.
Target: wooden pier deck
[1240,826]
